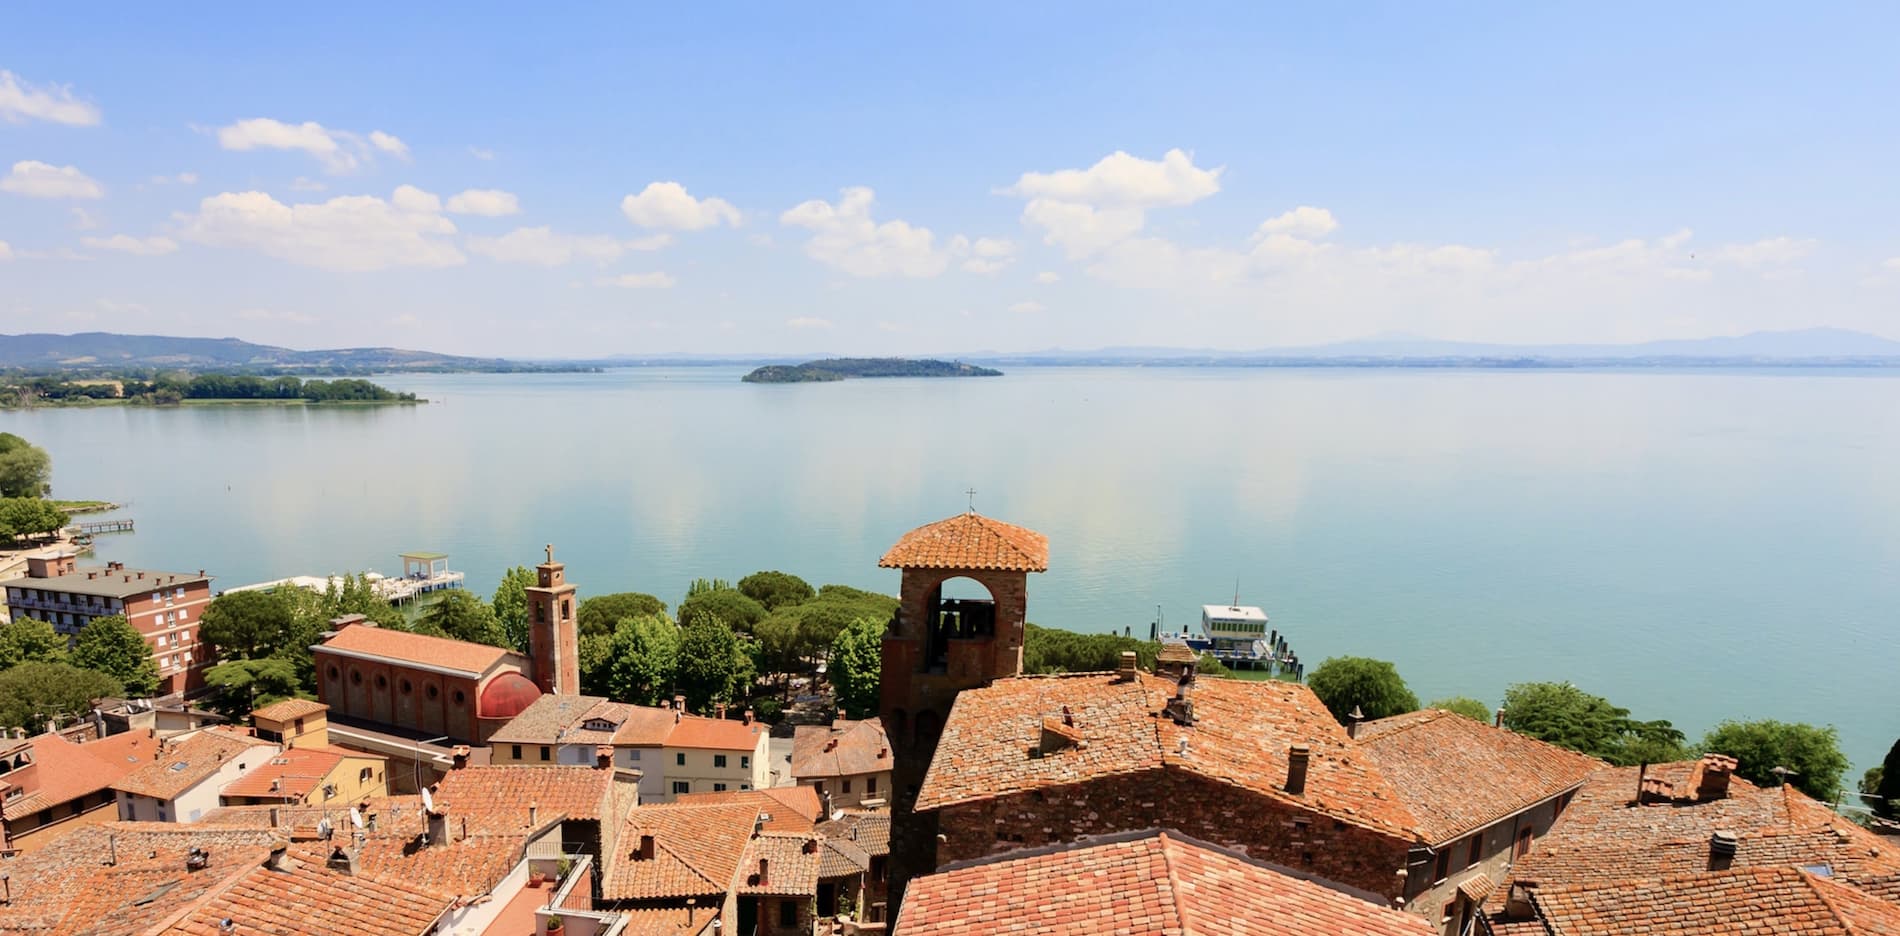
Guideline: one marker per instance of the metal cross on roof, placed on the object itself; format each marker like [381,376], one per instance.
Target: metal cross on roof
[972,493]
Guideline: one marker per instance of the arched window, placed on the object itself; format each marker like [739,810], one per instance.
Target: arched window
[356,676]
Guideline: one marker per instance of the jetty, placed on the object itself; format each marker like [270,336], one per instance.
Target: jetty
[422,573]
[96,527]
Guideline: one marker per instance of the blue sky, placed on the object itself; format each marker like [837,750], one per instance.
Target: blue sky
[896,178]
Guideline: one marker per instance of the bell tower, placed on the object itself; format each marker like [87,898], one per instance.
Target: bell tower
[553,637]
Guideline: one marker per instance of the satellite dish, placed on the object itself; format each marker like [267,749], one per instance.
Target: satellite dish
[324,827]
[356,817]
[428,802]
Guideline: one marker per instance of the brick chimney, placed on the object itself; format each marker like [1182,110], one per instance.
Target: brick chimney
[280,859]
[1722,845]
[748,716]
[719,710]
[679,703]
[645,852]
[458,757]
[1353,721]
[1296,762]
[438,825]
[1130,664]
[1716,769]
[343,859]
[603,756]
[765,871]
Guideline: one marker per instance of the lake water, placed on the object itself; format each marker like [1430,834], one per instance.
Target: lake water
[1695,546]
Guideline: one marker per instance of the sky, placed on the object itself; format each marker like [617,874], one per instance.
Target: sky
[936,179]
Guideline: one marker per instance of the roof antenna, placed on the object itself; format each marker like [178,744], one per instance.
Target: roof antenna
[1236,591]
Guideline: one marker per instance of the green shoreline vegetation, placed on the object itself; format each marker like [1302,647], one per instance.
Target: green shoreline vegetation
[830,369]
[21,391]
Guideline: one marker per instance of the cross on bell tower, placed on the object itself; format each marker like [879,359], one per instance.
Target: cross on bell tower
[553,636]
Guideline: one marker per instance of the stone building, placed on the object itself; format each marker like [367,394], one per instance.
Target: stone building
[847,762]
[938,646]
[187,774]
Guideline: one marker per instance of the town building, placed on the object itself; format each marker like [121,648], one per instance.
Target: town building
[1139,882]
[716,754]
[847,762]
[751,858]
[569,729]
[163,606]
[187,774]
[938,646]
[593,799]
[849,833]
[293,723]
[1770,901]
[310,775]
[50,785]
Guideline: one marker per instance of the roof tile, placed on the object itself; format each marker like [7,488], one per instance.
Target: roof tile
[970,541]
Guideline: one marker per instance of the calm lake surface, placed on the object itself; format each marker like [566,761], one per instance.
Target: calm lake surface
[1695,546]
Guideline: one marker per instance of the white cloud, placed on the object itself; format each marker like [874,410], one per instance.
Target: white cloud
[492,203]
[83,219]
[389,144]
[667,205]
[1048,276]
[1773,250]
[40,180]
[302,184]
[807,321]
[340,151]
[1891,263]
[276,315]
[21,102]
[183,178]
[654,280]
[349,233]
[844,236]
[649,242]
[1081,230]
[989,254]
[485,155]
[543,247]
[6,251]
[1121,179]
[1304,221]
[136,246]
[1027,307]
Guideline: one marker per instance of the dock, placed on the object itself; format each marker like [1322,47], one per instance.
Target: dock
[96,527]
[423,572]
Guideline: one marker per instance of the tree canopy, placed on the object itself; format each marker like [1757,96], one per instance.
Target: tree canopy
[1372,686]
[600,614]
[1569,717]
[722,603]
[463,616]
[1886,785]
[511,606]
[29,516]
[1464,705]
[29,640]
[246,625]
[857,656]
[713,663]
[25,469]
[1814,754]
[111,646]
[1052,650]
[238,686]
[642,657]
[773,589]
[33,693]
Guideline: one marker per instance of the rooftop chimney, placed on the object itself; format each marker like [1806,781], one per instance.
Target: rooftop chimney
[1498,720]
[719,710]
[679,703]
[840,716]
[1716,770]
[748,716]
[1296,761]
[439,825]
[280,859]
[534,813]
[1722,850]
[343,860]
[1130,663]
[646,849]
[458,757]
[765,871]
[1353,721]
[603,756]
[197,859]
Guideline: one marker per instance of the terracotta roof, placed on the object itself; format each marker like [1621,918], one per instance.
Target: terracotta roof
[792,809]
[792,869]
[841,749]
[472,659]
[666,921]
[1145,883]
[184,764]
[1433,756]
[68,888]
[841,857]
[562,719]
[1174,651]
[311,900]
[970,541]
[716,734]
[288,775]
[1241,739]
[62,771]
[546,718]
[578,792]
[290,710]
[1754,902]
[867,829]
[697,850]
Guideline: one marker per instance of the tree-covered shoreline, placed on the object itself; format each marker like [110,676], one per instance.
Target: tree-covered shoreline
[830,369]
[174,388]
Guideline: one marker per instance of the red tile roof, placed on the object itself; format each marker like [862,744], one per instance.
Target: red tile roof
[867,829]
[1242,738]
[578,792]
[1145,883]
[716,734]
[289,775]
[184,764]
[697,850]
[309,900]
[970,541]
[121,877]
[290,710]
[62,771]
[841,749]
[1753,902]
[792,865]
[793,808]
[1433,756]
[471,659]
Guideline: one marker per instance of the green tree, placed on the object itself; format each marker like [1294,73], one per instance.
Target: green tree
[29,516]
[1887,785]
[857,659]
[28,640]
[1372,686]
[246,625]
[642,657]
[238,686]
[111,646]
[1814,754]
[1464,705]
[511,606]
[600,614]
[1569,717]
[725,604]
[354,594]
[462,616]
[35,692]
[25,469]
[714,665]
[774,589]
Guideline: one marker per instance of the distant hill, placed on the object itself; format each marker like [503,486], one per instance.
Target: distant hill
[106,350]
[845,368]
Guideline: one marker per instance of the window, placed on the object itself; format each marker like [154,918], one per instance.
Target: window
[404,686]
[787,913]
[1477,850]
[382,682]
[544,752]
[356,677]
[679,759]
[362,776]
[634,754]
[719,788]
[1523,843]
[820,787]
[877,867]
[567,609]
[745,762]
[847,785]
[432,691]
[517,752]
[1444,916]
[745,786]
[183,613]
[719,760]
[333,671]
[870,786]
[459,698]
[681,786]
[1443,870]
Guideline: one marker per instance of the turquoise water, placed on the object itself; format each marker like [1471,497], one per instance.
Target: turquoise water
[1695,546]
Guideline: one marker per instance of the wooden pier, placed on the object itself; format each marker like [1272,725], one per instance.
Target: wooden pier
[95,527]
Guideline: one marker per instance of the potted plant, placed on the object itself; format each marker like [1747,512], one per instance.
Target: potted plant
[555,926]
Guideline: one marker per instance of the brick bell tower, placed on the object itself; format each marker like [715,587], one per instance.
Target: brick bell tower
[936,647]
[553,637]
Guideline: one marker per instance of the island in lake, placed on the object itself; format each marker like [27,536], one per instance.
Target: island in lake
[842,368]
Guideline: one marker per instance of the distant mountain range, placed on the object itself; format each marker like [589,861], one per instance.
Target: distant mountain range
[105,350]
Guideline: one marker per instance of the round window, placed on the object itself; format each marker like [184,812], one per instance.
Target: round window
[433,691]
[382,682]
[356,677]
[459,697]
[404,686]
[334,674]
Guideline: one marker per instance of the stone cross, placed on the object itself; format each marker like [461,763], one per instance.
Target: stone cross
[550,548]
